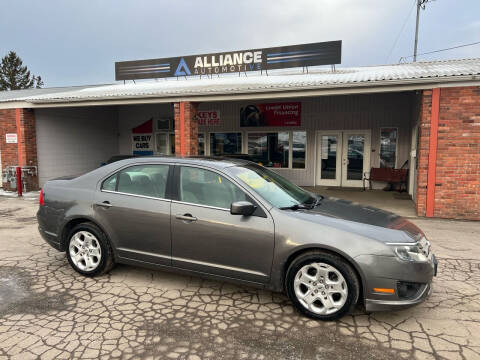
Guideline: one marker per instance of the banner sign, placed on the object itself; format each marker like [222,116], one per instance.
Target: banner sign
[142,144]
[322,53]
[142,138]
[208,118]
[272,114]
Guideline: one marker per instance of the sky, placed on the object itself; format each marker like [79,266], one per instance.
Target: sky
[77,42]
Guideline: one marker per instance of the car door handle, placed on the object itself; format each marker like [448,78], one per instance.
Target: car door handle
[186,217]
[105,204]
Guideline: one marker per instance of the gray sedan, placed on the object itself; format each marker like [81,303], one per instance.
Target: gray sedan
[233,220]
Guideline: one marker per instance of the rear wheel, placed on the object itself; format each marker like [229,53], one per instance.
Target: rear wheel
[322,285]
[88,250]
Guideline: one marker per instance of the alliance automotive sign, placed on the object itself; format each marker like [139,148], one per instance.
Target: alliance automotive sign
[323,53]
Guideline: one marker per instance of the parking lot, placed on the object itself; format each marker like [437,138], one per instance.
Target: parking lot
[49,311]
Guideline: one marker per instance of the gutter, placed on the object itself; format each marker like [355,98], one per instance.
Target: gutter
[259,93]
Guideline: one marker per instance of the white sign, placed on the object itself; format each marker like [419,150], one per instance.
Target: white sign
[208,117]
[142,143]
[11,138]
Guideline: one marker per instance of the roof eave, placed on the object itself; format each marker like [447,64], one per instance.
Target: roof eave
[263,93]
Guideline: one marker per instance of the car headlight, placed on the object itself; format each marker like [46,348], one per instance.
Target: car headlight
[411,253]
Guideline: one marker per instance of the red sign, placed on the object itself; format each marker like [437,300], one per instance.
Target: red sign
[146,127]
[208,117]
[272,114]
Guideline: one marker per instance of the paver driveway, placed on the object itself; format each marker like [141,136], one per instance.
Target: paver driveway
[49,311]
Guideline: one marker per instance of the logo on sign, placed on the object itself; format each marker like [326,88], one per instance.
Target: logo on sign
[182,69]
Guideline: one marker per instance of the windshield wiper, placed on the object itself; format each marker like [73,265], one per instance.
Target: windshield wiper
[295,207]
[313,203]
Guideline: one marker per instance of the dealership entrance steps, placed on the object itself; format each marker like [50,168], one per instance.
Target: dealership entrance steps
[393,201]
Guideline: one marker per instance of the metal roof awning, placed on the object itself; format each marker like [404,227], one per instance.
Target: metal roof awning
[399,77]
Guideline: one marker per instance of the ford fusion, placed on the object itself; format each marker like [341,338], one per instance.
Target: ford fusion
[234,220]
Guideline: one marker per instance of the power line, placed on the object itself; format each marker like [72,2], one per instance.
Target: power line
[401,30]
[440,50]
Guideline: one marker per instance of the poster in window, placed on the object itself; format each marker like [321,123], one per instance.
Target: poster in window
[271,114]
[142,138]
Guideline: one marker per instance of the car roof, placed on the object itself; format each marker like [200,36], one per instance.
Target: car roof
[218,162]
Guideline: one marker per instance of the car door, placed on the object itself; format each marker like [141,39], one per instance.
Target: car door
[207,238]
[132,206]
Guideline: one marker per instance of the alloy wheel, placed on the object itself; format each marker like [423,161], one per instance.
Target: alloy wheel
[85,251]
[320,288]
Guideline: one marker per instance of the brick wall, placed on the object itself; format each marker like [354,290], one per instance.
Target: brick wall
[27,142]
[457,184]
[8,151]
[190,127]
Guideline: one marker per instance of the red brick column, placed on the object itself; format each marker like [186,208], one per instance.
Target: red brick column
[24,153]
[457,183]
[186,129]
[423,150]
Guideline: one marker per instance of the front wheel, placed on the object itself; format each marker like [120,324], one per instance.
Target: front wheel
[322,285]
[88,250]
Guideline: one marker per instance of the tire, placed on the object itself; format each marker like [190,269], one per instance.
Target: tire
[100,249]
[327,298]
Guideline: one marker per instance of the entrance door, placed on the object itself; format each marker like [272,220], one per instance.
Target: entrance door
[342,157]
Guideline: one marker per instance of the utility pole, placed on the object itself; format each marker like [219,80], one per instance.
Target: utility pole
[420,5]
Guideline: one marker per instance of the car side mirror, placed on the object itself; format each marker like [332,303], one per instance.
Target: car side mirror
[244,208]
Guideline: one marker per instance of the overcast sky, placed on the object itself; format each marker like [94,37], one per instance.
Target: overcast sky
[77,42]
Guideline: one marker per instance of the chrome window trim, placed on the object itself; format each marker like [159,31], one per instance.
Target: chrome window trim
[136,195]
[200,205]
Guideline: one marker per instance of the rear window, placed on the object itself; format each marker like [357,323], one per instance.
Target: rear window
[145,180]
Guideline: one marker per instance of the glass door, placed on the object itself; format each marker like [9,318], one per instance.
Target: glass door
[329,154]
[165,143]
[355,157]
[342,157]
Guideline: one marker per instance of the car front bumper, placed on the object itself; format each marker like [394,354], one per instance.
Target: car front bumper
[388,273]
[386,305]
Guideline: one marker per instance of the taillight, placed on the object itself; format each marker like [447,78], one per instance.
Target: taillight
[41,200]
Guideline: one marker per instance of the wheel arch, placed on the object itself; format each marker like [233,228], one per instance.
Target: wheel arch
[71,223]
[347,259]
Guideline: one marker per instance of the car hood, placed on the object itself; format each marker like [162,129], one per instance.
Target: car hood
[351,211]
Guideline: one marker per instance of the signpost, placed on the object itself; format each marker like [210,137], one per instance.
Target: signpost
[322,53]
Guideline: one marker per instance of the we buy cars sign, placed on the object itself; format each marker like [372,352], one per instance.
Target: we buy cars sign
[208,117]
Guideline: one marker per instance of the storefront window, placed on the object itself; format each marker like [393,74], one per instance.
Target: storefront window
[388,147]
[269,149]
[225,143]
[298,149]
[201,144]
[162,143]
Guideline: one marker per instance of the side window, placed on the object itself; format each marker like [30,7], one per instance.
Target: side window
[146,180]
[110,183]
[204,187]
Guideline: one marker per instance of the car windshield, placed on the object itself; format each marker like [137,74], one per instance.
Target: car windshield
[277,190]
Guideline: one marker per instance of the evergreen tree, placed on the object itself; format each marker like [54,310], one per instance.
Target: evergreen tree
[14,75]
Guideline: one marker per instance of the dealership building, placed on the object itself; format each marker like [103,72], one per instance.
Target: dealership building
[317,126]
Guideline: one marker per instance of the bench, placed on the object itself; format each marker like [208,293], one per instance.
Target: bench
[391,176]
